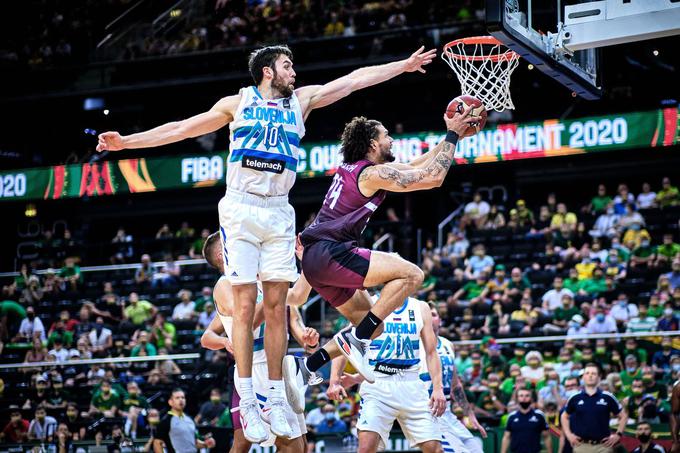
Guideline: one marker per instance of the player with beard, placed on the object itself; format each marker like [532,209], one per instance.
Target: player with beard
[334,264]
[266,123]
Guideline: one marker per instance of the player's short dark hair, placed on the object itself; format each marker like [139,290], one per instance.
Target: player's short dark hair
[210,249]
[356,138]
[265,57]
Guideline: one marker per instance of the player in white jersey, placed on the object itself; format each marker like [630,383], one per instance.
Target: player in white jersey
[223,324]
[266,125]
[456,436]
[398,393]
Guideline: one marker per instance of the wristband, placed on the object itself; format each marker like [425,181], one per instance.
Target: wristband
[313,347]
[619,433]
[451,137]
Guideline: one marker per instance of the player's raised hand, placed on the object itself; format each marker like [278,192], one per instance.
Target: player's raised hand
[460,121]
[420,58]
[437,403]
[335,391]
[110,141]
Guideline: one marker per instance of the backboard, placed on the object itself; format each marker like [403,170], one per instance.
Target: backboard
[563,38]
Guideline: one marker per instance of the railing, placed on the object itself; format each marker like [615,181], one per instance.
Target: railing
[153,358]
[444,223]
[590,336]
[115,267]
[385,237]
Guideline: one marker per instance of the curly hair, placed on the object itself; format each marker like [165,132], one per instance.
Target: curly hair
[265,57]
[356,138]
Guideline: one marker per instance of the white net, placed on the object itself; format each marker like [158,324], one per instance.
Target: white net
[483,67]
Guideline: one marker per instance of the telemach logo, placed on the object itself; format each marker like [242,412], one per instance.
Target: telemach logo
[258,163]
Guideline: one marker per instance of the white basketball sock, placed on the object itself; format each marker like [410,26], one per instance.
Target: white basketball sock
[245,389]
[276,389]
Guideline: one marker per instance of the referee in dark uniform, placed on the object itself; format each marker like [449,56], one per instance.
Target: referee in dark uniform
[177,431]
[586,417]
[525,427]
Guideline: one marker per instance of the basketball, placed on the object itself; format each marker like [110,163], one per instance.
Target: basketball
[459,103]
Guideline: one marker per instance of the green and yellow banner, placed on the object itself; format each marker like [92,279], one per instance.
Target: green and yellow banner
[549,138]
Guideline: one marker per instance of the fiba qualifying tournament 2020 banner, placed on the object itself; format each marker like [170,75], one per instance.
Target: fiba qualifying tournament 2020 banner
[550,138]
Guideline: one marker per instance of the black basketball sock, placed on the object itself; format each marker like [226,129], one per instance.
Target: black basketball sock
[317,360]
[367,326]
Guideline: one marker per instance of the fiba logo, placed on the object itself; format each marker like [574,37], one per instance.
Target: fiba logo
[198,169]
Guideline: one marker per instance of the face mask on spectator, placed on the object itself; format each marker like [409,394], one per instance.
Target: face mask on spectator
[571,393]
[215,399]
[644,438]
[644,243]
[600,317]
[631,369]
[329,416]
[600,350]
[676,367]
[525,404]
[623,302]
[668,311]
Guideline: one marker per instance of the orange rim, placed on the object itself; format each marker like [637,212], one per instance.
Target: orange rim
[450,49]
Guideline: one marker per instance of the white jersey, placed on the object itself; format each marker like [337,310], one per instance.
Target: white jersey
[259,355]
[446,356]
[264,144]
[397,348]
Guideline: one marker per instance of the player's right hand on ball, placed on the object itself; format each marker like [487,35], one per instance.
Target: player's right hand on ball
[110,141]
[460,121]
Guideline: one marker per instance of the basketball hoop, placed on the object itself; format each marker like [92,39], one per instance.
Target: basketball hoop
[483,66]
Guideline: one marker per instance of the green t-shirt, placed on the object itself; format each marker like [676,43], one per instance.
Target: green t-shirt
[139,401]
[523,284]
[643,252]
[431,280]
[225,419]
[641,324]
[105,404]
[572,284]
[640,353]
[67,272]
[669,251]
[66,338]
[472,290]
[197,246]
[667,197]
[627,379]
[565,314]
[655,312]
[12,309]
[150,350]
[160,338]
[139,313]
[599,204]
[593,285]
[200,303]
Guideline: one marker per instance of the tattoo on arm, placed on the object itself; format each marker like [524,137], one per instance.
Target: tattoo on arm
[458,393]
[440,164]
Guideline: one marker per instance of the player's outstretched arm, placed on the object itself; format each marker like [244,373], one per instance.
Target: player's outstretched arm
[400,179]
[217,117]
[317,96]
[213,338]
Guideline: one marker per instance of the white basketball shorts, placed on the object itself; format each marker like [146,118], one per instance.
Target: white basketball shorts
[259,238]
[401,398]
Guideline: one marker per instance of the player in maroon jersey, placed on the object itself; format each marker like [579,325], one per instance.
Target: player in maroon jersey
[334,264]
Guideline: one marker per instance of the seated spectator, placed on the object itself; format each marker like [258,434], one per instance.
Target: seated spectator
[498,284]
[631,347]
[524,215]
[478,262]
[122,245]
[594,285]
[316,415]
[58,397]
[518,287]
[495,220]
[655,307]
[598,204]
[31,327]
[524,319]
[669,321]
[206,317]
[623,311]
[614,267]
[32,294]
[622,199]
[586,267]
[100,338]
[597,253]
[168,274]
[145,273]
[106,401]
[563,217]
[643,255]
[38,353]
[455,250]
[533,371]
[139,311]
[674,275]
[184,310]
[85,324]
[71,276]
[429,283]
[43,427]
[133,402]
[497,321]
[552,299]
[58,331]
[646,199]
[471,292]
[185,231]
[631,372]
[666,252]
[476,212]
[59,352]
[331,423]
[606,225]
[562,316]
[552,391]
[542,226]
[573,282]
[642,322]
[206,297]
[164,232]
[668,195]
[16,430]
[211,410]
[196,249]
[163,332]
[143,348]
[468,324]
[661,361]
[601,322]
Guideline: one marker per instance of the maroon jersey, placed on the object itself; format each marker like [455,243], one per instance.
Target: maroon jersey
[345,211]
